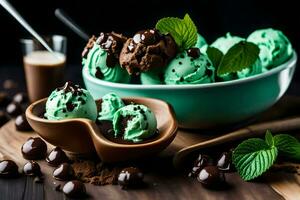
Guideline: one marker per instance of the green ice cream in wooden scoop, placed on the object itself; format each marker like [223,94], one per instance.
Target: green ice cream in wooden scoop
[135,122]
[70,101]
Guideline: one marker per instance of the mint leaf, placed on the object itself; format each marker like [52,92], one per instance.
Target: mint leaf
[183,30]
[190,35]
[269,138]
[240,56]
[288,146]
[253,157]
[215,55]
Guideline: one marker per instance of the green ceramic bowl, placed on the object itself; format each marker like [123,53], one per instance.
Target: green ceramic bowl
[213,105]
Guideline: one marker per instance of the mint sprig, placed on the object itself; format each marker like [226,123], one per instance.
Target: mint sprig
[269,138]
[288,146]
[240,56]
[184,31]
[255,156]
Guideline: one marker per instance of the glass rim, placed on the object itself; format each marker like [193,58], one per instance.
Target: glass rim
[31,39]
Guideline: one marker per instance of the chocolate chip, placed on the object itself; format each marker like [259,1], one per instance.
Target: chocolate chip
[32,169]
[201,162]
[20,98]
[22,124]
[224,162]
[14,109]
[64,172]
[74,189]
[34,149]
[211,177]
[56,157]
[193,53]
[8,169]
[130,177]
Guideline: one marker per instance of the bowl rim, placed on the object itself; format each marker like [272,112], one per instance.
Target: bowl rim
[288,64]
[172,134]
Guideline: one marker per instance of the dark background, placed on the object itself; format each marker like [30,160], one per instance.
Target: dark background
[213,18]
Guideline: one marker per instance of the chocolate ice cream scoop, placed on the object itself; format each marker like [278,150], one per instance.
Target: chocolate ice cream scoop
[101,57]
[147,49]
[112,43]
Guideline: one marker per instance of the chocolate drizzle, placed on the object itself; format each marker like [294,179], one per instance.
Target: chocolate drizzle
[193,53]
[112,43]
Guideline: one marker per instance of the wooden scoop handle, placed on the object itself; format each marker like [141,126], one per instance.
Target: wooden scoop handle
[249,131]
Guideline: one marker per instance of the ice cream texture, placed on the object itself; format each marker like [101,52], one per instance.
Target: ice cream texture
[134,123]
[100,57]
[275,47]
[70,101]
[226,42]
[190,67]
[109,106]
[200,41]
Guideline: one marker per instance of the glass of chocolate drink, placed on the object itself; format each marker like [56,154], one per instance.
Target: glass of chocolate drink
[44,71]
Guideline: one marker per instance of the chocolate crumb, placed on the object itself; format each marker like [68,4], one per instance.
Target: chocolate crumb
[96,173]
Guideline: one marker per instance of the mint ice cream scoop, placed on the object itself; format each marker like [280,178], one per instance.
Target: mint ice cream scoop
[151,78]
[256,68]
[275,47]
[70,101]
[226,42]
[200,41]
[134,123]
[100,57]
[190,67]
[110,104]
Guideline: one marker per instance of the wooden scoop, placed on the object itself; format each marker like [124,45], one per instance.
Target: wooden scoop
[277,126]
[83,137]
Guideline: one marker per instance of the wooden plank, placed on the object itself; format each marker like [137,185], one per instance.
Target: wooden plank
[163,182]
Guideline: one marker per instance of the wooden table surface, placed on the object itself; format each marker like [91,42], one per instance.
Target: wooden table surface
[162,181]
